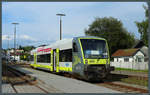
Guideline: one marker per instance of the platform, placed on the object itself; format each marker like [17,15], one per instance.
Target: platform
[53,83]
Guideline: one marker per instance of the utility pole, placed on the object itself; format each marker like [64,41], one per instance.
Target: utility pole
[15,39]
[60,24]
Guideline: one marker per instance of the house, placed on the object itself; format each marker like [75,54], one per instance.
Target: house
[128,55]
[143,48]
[11,55]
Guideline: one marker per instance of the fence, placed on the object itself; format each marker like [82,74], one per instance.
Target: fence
[131,65]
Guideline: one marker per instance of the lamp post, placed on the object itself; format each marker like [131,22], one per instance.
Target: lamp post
[60,24]
[15,39]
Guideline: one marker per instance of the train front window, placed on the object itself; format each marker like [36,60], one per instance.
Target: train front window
[94,48]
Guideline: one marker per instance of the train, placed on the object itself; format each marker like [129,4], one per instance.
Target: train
[85,56]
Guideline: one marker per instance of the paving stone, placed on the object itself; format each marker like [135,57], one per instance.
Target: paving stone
[53,83]
[68,85]
[7,88]
[28,89]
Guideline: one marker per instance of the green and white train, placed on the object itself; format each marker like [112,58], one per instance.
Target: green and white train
[88,57]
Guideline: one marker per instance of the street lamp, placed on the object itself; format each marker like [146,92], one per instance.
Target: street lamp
[15,39]
[60,24]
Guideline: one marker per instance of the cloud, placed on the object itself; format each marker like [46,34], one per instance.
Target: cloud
[26,37]
[6,37]
[21,37]
[39,23]
[23,40]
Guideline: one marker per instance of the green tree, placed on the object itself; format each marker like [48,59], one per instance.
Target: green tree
[20,47]
[143,26]
[26,53]
[28,48]
[113,31]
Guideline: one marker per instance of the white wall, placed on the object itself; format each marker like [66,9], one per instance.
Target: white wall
[138,54]
[131,65]
[16,58]
[131,59]
[122,59]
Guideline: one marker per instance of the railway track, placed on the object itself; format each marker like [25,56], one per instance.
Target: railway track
[122,87]
[112,85]
[119,86]
[18,78]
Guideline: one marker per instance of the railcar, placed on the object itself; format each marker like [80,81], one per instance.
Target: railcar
[86,56]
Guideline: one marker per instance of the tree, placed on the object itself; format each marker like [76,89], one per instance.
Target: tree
[26,53]
[143,26]
[20,47]
[28,48]
[113,31]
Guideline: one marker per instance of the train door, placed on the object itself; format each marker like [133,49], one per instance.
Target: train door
[35,58]
[55,58]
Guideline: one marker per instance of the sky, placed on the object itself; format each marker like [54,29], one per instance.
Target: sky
[38,23]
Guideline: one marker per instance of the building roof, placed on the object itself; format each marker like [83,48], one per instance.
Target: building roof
[17,54]
[125,52]
[139,44]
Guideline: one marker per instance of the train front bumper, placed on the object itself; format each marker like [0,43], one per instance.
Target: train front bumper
[97,72]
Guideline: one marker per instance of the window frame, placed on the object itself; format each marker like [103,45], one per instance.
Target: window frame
[126,59]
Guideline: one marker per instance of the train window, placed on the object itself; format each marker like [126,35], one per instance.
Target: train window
[94,48]
[75,49]
[65,55]
[44,58]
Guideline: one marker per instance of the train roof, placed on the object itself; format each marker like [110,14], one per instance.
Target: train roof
[89,37]
[62,44]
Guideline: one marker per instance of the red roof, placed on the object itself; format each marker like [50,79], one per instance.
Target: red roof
[12,54]
[125,52]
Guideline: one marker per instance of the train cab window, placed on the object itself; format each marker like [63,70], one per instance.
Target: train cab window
[75,49]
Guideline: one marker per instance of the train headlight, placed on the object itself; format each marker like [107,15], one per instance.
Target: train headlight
[78,67]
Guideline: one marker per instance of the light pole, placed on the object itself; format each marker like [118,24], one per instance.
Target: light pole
[60,24]
[15,39]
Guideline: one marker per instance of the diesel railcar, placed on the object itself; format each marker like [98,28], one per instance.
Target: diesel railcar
[87,56]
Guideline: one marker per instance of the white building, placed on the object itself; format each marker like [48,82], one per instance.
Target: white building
[10,54]
[140,44]
[128,55]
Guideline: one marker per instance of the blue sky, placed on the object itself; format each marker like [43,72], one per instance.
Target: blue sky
[40,25]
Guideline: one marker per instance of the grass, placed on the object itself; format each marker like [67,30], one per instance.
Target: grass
[124,69]
[136,81]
